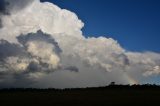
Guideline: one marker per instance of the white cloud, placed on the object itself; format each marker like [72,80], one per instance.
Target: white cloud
[91,61]
[154,71]
[36,54]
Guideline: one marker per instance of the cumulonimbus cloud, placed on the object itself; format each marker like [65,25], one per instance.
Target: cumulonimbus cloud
[42,42]
[36,54]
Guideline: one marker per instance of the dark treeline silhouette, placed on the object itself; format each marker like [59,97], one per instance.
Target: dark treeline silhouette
[112,85]
[110,95]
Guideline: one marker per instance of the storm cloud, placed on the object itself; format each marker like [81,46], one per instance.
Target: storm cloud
[2,10]
[43,45]
[36,54]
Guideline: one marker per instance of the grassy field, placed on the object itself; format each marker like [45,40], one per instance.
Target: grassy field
[80,97]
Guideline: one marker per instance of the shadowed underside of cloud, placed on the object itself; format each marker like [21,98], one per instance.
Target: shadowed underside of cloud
[36,54]
[42,45]
[2,10]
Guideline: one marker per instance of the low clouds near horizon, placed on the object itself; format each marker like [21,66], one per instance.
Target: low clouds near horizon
[42,45]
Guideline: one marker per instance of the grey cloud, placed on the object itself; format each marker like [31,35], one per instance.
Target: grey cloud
[39,36]
[9,6]
[3,6]
[72,68]
[33,67]
[16,5]
[3,10]
[123,58]
[10,49]
[41,39]
[19,62]
[0,23]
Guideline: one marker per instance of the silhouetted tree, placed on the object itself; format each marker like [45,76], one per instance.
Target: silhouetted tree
[112,83]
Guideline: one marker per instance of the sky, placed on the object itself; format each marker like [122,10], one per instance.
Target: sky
[127,21]
[78,43]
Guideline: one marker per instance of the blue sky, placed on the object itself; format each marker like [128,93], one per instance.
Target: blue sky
[135,24]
